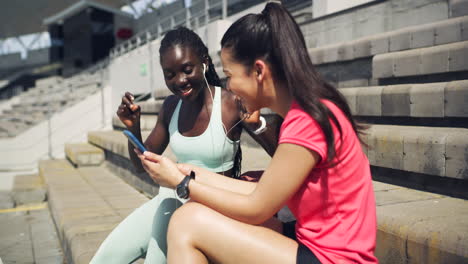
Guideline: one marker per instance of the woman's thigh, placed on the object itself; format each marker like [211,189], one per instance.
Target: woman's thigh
[225,240]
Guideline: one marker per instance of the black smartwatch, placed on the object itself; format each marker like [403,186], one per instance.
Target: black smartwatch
[182,189]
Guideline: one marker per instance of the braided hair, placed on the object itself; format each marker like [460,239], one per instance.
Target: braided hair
[185,37]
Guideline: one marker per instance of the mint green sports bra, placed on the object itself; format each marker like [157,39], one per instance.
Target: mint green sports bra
[211,150]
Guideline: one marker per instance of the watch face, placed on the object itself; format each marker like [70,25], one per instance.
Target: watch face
[182,192]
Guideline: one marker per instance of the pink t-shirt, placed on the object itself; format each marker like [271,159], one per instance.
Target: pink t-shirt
[334,207]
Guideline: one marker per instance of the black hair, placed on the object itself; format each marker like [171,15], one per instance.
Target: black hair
[278,41]
[187,38]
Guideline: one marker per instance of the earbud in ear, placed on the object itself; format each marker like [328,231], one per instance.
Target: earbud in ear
[204,68]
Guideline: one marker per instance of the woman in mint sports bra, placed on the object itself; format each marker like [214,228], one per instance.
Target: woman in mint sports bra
[200,122]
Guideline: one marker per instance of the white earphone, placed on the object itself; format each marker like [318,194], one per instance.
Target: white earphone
[204,68]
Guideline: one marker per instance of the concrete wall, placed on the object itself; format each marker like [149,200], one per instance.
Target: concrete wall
[130,72]
[327,7]
[373,19]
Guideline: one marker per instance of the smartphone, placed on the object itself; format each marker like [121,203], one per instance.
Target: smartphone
[134,140]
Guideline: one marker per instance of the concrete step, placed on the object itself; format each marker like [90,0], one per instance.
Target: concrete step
[448,58]
[13,128]
[431,100]
[115,146]
[151,107]
[49,81]
[425,150]
[420,227]
[147,122]
[415,37]
[84,154]
[28,189]
[86,204]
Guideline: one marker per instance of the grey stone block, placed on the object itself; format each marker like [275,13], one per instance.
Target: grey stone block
[380,44]
[6,200]
[317,55]
[362,48]
[84,154]
[458,54]
[353,83]
[163,92]
[422,37]
[447,32]
[464,29]
[345,52]
[424,152]
[387,145]
[369,101]
[382,66]
[151,107]
[407,63]
[368,139]
[456,98]
[30,196]
[396,100]
[458,8]
[457,154]
[434,60]
[427,100]
[351,94]
[331,53]
[148,122]
[400,40]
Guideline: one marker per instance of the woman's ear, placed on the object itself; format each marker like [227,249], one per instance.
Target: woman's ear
[260,69]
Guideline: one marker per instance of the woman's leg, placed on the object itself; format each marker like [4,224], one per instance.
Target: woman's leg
[157,247]
[129,240]
[196,231]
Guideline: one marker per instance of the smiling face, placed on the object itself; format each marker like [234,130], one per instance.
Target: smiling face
[183,72]
[241,81]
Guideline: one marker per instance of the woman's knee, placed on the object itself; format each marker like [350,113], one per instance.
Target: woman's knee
[187,219]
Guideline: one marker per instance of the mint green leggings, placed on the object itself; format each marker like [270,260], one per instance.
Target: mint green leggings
[143,231]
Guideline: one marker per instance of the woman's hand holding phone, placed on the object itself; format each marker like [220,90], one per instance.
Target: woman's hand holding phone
[162,170]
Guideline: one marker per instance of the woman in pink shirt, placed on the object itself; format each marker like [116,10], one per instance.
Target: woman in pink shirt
[319,169]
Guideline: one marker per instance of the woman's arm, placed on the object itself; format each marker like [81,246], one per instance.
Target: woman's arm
[269,138]
[207,177]
[288,169]
[158,139]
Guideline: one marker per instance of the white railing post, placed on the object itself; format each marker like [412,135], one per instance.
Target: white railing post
[151,69]
[187,17]
[225,4]
[207,12]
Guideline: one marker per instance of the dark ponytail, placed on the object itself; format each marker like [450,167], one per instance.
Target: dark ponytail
[279,41]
